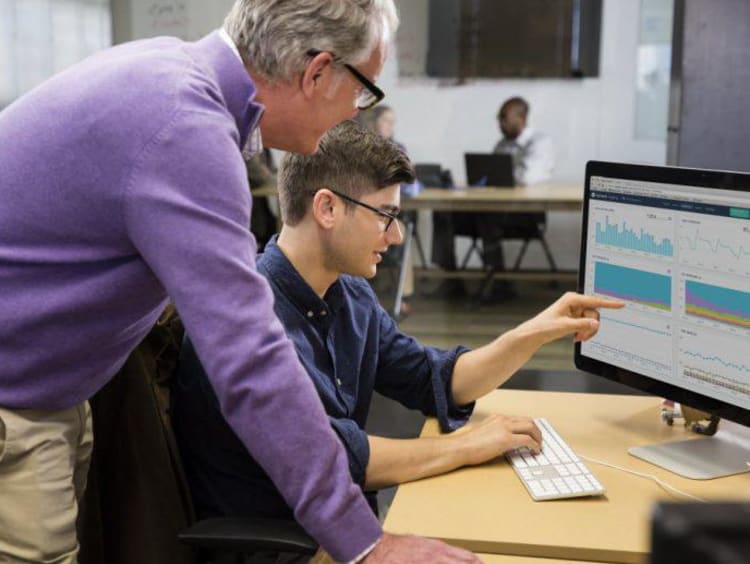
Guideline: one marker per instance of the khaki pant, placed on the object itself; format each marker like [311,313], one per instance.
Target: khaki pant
[44,458]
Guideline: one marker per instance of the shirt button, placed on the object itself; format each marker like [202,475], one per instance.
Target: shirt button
[310,314]
[338,381]
[323,312]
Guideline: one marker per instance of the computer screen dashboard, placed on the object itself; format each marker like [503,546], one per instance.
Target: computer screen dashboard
[674,244]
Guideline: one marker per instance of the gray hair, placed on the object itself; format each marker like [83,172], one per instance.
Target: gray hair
[273,36]
[351,159]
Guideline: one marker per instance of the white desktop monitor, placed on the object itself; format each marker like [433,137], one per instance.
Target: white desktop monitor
[674,244]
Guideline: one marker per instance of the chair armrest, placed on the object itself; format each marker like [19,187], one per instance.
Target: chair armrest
[243,534]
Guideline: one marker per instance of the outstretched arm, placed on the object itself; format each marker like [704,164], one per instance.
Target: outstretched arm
[395,461]
[482,370]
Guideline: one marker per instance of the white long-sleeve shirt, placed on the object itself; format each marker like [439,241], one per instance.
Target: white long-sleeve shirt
[533,156]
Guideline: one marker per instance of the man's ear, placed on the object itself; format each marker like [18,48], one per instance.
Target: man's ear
[316,74]
[326,208]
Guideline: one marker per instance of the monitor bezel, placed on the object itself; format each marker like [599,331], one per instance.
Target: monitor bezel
[718,179]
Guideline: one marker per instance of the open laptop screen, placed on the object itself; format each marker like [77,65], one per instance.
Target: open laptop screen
[489,169]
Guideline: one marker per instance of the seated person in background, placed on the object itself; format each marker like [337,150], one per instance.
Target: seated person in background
[533,153]
[533,162]
[382,120]
[339,207]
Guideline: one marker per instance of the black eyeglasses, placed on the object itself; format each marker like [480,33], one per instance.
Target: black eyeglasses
[387,218]
[370,94]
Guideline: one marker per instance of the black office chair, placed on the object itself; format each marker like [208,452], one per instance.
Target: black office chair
[448,224]
[429,174]
[137,503]
[527,227]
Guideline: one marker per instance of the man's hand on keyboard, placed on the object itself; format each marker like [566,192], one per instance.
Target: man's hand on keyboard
[572,314]
[493,436]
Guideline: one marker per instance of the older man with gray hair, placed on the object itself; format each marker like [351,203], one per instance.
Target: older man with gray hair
[139,192]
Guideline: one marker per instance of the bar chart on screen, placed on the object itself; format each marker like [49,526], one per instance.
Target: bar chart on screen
[633,230]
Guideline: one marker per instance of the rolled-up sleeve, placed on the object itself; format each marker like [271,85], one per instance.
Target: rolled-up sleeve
[356,445]
[418,376]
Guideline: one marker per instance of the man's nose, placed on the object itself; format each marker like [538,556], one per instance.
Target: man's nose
[395,235]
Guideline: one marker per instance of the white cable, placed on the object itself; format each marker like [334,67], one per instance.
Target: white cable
[661,483]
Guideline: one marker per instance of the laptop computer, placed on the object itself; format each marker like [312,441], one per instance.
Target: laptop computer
[489,169]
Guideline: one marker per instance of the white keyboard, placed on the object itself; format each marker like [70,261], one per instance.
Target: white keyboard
[556,472]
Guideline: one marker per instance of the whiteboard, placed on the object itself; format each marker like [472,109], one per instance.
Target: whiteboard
[186,19]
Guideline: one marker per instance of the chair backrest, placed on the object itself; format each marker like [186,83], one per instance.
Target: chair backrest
[137,499]
[137,502]
[429,174]
[432,175]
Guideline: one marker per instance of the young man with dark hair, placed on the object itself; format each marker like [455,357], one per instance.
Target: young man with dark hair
[339,208]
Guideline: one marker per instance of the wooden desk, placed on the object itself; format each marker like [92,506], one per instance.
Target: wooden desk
[512,559]
[487,510]
[536,198]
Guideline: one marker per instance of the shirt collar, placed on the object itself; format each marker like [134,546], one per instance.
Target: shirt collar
[254,143]
[296,289]
[228,40]
[525,136]
[237,87]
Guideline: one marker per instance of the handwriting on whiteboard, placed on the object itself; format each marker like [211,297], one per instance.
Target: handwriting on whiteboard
[169,17]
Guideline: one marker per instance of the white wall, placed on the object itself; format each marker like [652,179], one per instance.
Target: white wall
[39,39]
[187,19]
[588,119]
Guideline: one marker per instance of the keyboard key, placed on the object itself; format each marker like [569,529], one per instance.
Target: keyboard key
[571,482]
[555,473]
[529,460]
[562,470]
[585,484]
[518,461]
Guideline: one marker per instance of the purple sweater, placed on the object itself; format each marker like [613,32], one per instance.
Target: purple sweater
[122,183]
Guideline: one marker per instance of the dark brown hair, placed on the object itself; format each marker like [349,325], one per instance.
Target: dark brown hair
[516,101]
[351,159]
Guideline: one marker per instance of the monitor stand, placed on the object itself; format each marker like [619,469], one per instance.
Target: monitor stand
[725,453]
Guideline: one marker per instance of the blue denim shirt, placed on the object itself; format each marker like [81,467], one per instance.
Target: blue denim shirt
[349,346]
